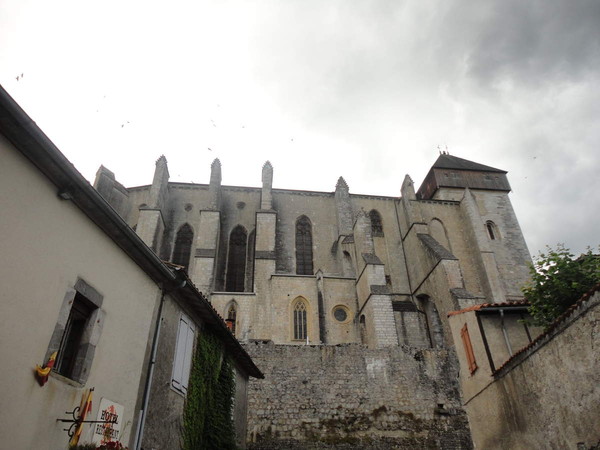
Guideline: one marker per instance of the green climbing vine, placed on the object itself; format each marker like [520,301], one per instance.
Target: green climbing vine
[207,421]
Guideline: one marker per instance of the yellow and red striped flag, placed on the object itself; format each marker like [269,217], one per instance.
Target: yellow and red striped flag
[84,409]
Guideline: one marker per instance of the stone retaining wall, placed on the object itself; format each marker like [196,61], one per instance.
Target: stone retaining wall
[349,396]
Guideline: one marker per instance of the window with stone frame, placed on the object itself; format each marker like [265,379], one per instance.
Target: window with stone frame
[300,323]
[236,260]
[492,230]
[183,246]
[376,223]
[304,251]
[79,316]
[77,332]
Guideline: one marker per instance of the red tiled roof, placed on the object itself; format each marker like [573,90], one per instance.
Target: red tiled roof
[489,305]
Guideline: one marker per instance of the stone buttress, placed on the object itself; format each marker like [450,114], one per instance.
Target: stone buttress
[264,254]
[151,219]
[373,294]
[207,237]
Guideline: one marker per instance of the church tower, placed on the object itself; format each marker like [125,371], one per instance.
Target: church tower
[489,222]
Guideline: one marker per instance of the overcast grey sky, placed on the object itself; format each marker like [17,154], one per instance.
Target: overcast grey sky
[363,89]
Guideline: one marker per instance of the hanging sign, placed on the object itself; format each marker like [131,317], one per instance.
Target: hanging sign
[112,413]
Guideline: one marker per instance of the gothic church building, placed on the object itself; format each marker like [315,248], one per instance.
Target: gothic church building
[298,267]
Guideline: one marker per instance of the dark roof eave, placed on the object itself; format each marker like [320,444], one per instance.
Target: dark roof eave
[27,137]
[201,306]
[452,162]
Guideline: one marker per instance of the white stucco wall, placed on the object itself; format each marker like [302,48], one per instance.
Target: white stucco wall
[47,243]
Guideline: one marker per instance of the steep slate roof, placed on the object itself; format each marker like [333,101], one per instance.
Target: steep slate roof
[31,141]
[454,162]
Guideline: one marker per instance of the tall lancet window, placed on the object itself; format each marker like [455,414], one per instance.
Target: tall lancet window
[376,225]
[236,261]
[304,256]
[183,246]
[300,331]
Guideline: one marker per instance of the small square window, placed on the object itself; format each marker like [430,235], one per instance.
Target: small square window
[77,332]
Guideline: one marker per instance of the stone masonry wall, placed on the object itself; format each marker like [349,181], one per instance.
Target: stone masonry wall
[348,396]
[547,396]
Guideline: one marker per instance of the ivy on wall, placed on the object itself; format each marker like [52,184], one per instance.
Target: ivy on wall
[207,415]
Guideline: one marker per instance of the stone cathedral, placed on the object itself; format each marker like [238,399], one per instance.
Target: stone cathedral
[351,321]
[303,267]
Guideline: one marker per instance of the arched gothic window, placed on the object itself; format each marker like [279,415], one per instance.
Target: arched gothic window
[376,224]
[231,318]
[304,256]
[183,246]
[236,261]
[492,230]
[300,330]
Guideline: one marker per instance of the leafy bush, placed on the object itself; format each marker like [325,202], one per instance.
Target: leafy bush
[558,280]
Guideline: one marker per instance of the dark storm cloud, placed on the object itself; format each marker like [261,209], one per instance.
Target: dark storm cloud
[523,75]
[372,88]
[537,42]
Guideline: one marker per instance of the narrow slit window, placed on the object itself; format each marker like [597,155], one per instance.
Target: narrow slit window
[492,230]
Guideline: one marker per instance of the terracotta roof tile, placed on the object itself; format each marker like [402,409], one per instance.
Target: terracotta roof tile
[489,305]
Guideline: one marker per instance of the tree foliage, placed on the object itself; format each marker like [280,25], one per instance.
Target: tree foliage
[558,280]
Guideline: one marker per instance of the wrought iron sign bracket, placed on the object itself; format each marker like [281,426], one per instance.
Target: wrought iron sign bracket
[75,421]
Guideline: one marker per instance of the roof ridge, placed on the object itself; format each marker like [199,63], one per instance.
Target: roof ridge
[446,161]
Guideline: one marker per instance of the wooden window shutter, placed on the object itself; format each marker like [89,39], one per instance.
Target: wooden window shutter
[464,334]
[187,362]
[183,354]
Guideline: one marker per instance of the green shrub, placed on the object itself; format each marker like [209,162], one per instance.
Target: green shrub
[557,281]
